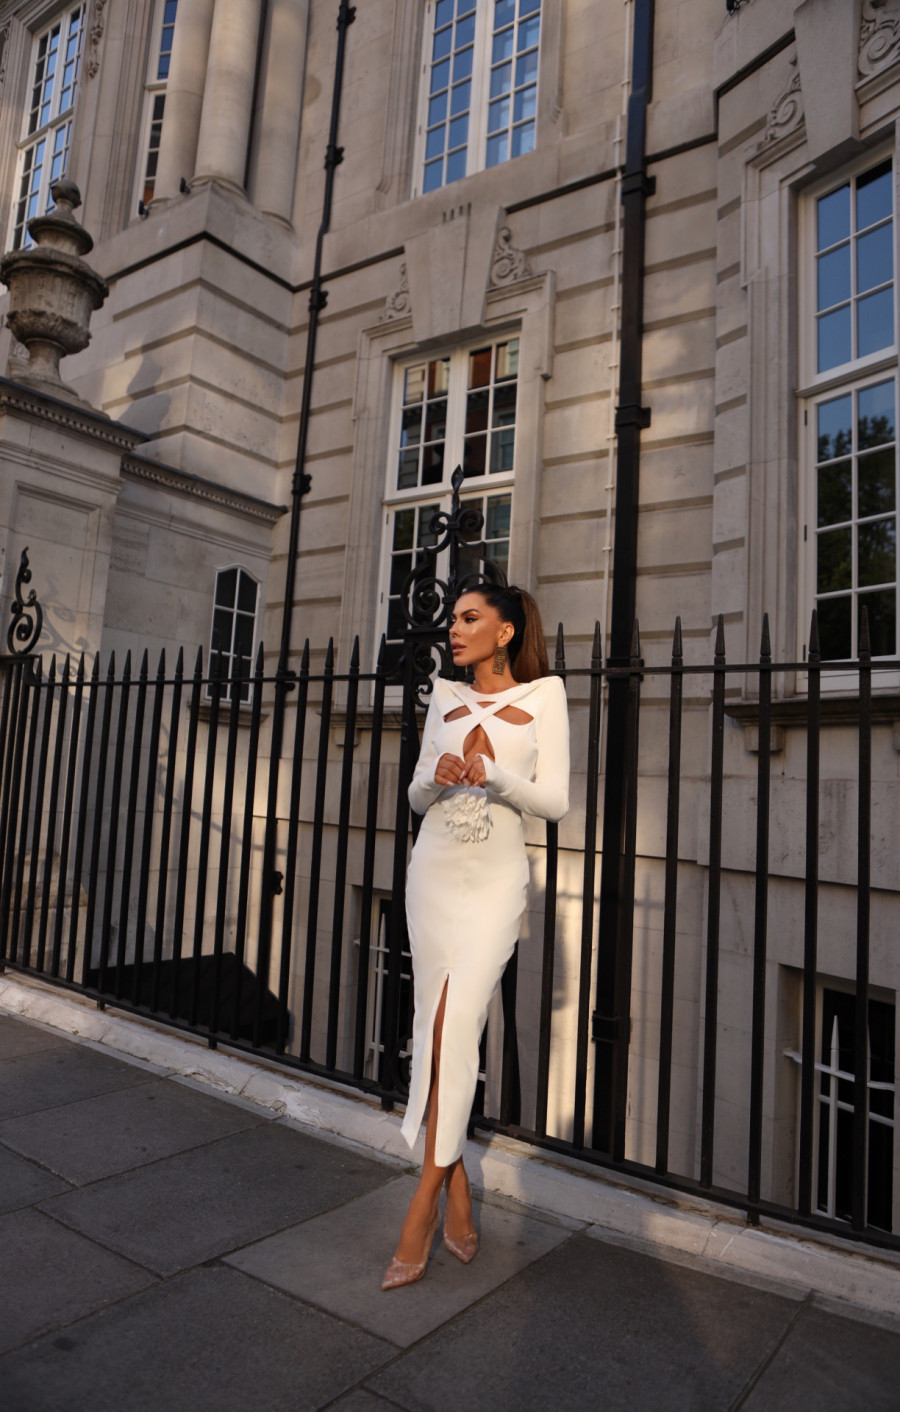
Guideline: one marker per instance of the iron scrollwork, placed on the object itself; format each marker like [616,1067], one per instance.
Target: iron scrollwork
[27,614]
[427,600]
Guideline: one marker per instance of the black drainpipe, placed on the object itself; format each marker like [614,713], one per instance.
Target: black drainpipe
[318,298]
[612,1018]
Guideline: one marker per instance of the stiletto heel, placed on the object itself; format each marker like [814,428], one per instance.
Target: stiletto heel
[467,1248]
[405,1272]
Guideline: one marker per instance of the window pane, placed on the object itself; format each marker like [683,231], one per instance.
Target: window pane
[882,610]
[834,339]
[876,549]
[835,435]
[437,109]
[443,43]
[465,31]
[434,142]
[873,196]
[502,449]
[459,131]
[408,469]
[243,635]
[877,475]
[221,633]
[438,377]
[501,79]
[411,429]
[505,405]
[833,217]
[529,33]
[497,150]
[835,563]
[498,515]
[404,529]
[498,115]
[480,367]
[456,165]
[414,383]
[526,68]
[460,98]
[527,7]
[833,277]
[875,322]
[433,464]
[475,456]
[443,13]
[436,420]
[440,76]
[400,567]
[433,173]
[247,594]
[505,12]
[874,258]
[876,415]
[834,628]
[396,623]
[508,359]
[502,47]
[523,139]
[835,499]
[525,104]
[477,411]
[462,64]
[226,586]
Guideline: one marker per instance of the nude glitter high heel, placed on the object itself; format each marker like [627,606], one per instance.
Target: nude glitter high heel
[467,1248]
[404,1272]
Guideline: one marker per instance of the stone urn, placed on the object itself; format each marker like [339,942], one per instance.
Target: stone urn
[52,293]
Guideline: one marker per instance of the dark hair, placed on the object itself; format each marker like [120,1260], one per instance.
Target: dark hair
[527,650]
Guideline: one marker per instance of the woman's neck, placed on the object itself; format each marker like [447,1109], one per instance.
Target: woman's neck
[490,683]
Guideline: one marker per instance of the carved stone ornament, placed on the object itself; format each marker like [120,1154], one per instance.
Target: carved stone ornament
[96,35]
[507,263]
[4,54]
[398,304]
[879,36]
[786,113]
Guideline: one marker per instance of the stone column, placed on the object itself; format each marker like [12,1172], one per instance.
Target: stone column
[184,97]
[228,95]
[277,129]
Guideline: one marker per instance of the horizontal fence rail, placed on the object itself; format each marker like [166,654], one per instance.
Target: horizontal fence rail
[760,883]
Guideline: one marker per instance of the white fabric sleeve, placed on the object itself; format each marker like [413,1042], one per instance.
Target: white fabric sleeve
[547,795]
[423,790]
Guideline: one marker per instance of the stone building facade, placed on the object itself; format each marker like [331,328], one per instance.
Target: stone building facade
[473,271]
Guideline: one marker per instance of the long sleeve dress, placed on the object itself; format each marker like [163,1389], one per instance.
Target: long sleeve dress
[468,878]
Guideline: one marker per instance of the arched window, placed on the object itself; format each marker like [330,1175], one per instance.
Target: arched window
[234,629]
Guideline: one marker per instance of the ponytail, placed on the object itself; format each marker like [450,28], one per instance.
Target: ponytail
[527,650]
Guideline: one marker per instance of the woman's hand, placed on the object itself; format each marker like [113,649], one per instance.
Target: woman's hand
[450,769]
[474,771]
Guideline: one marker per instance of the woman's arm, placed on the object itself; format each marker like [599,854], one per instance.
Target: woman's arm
[547,795]
[423,788]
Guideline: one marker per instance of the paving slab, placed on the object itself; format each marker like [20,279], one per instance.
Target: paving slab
[212,1338]
[17,1038]
[830,1364]
[113,1132]
[51,1276]
[363,1401]
[337,1261]
[594,1325]
[22,1183]
[48,1078]
[196,1205]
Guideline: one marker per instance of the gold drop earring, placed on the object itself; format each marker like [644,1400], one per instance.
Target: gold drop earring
[500,657]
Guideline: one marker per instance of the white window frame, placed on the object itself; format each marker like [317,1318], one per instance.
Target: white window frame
[235,610]
[476,147]
[473,487]
[58,122]
[818,387]
[154,88]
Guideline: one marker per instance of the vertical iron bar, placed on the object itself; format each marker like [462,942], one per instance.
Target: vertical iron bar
[165,834]
[389,1069]
[49,692]
[811,920]
[670,906]
[215,681]
[184,833]
[315,867]
[548,958]
[112,837]
[340,872]
[760,918]
[9,677]
[13,723]
[97,832]
[290,864]
[130,822]
[53,811]
[234,714]
[711,994]
[859,1188]
[240,925]
[140,921]
[26,812]
[87,779]
[592,784]
[368,877]
[67,820]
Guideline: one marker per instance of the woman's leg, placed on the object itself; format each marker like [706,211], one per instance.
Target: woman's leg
[423,1207]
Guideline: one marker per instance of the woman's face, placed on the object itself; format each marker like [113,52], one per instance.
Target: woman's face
[476,630]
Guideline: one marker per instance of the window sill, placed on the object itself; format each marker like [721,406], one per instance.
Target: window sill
[833,711]
[244,713]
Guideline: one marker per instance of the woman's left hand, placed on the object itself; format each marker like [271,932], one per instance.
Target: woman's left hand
[475,772]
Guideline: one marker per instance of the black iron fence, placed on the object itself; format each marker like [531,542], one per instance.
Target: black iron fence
[759,903]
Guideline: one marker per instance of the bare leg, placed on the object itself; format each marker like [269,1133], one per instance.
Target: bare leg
[423,1207]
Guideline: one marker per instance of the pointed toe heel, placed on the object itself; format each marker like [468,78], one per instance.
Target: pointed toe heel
[399,1272]
[465,1249]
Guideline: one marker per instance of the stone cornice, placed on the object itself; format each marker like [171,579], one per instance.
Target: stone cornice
[74,416]
[183,483]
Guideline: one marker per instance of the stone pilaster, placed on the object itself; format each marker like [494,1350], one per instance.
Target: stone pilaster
[184,97]
[228,93]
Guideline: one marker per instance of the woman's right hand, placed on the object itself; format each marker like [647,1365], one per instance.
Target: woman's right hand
[449,770]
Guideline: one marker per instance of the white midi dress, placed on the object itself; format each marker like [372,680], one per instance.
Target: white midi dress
[468,879]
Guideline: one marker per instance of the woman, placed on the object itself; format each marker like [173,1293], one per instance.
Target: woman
[491,752]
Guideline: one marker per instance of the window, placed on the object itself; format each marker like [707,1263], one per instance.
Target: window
[851,421]
[233,630]
[454,410]
[835,1109]
[376,1032]
[47,129]
[480,78]
[155,97]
